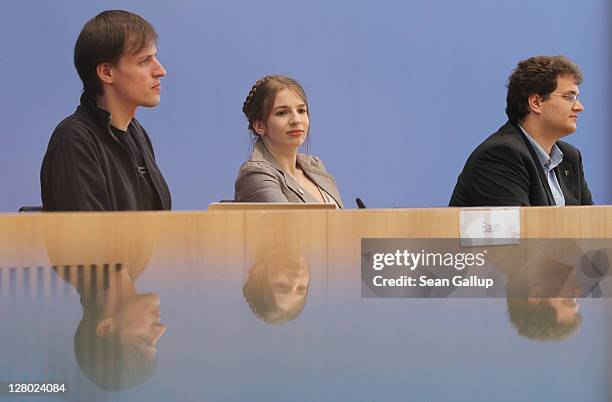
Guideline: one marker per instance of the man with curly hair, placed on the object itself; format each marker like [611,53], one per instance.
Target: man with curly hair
[525,163]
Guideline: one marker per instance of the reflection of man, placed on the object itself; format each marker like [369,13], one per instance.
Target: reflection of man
[541,299]
[277,287]
[100,158]
[524,163]
[115,343]
[544,319]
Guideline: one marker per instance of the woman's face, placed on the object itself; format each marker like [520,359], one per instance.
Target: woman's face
[289,283]
[287,124]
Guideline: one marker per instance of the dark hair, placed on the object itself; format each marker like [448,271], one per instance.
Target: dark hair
[258,103]
[104,39]
[536,75]
[538,321]
[107,362]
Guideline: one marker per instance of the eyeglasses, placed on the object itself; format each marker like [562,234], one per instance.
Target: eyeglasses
[571,98]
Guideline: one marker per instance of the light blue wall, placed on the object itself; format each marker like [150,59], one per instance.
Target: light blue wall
[400,91]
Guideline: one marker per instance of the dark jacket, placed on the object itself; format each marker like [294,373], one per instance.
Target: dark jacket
[86,168]
[505,171]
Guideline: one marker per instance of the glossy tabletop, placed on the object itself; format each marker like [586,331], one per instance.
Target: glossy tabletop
[269,306]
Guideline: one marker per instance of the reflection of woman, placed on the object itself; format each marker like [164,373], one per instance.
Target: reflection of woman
[277,111]
[277,288]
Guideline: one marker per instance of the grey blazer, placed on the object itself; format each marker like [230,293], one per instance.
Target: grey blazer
[260,179]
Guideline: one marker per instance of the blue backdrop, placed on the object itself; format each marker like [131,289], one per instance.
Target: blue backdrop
[400,91]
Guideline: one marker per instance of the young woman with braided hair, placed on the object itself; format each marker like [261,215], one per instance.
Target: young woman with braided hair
[277,111]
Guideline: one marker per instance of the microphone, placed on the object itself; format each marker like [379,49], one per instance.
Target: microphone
[360,203]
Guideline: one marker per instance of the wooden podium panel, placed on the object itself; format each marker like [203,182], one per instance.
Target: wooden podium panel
[268,303]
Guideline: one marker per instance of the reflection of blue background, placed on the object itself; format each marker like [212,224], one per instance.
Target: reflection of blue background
[400,91]
[342,347]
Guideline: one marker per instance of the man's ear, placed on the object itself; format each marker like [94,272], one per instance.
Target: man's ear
[105,328]
[535,103]
[105,72]
[260,128]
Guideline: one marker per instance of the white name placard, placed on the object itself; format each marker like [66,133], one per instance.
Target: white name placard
[490,226]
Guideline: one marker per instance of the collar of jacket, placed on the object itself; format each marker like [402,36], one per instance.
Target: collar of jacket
[536,160]
[261,153]
[101,117]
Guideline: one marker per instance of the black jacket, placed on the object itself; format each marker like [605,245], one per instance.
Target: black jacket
[86,168]
[505,171]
